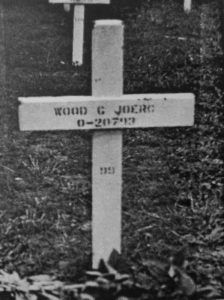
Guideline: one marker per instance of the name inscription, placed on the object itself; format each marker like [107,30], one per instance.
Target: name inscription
[125,109]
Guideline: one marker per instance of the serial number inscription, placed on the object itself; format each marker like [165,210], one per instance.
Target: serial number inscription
[100,123]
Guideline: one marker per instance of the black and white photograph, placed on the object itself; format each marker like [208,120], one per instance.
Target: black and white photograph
[111,149]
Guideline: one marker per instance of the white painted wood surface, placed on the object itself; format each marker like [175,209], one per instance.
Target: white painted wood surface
[187,5]
[107,80]
[78,34]
[67,7]
[106,112]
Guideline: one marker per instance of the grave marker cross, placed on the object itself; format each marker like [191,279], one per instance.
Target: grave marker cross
[187,5]
[78,24]
[67,7]
[106,112]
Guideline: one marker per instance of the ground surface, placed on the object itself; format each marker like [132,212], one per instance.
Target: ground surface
[172,178]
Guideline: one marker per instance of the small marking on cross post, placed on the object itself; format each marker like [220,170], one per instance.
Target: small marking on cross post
[107,170]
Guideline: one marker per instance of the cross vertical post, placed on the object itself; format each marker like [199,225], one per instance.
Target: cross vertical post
[107,80]
[187,6]
[78,34]
[78,24]
[67,7]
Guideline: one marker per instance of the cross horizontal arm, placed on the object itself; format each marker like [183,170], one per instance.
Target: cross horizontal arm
[89,112]
[80,1]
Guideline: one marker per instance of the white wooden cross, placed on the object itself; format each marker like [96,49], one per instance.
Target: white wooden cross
[187,6]
[78,24]
[67,7]
[106,112]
